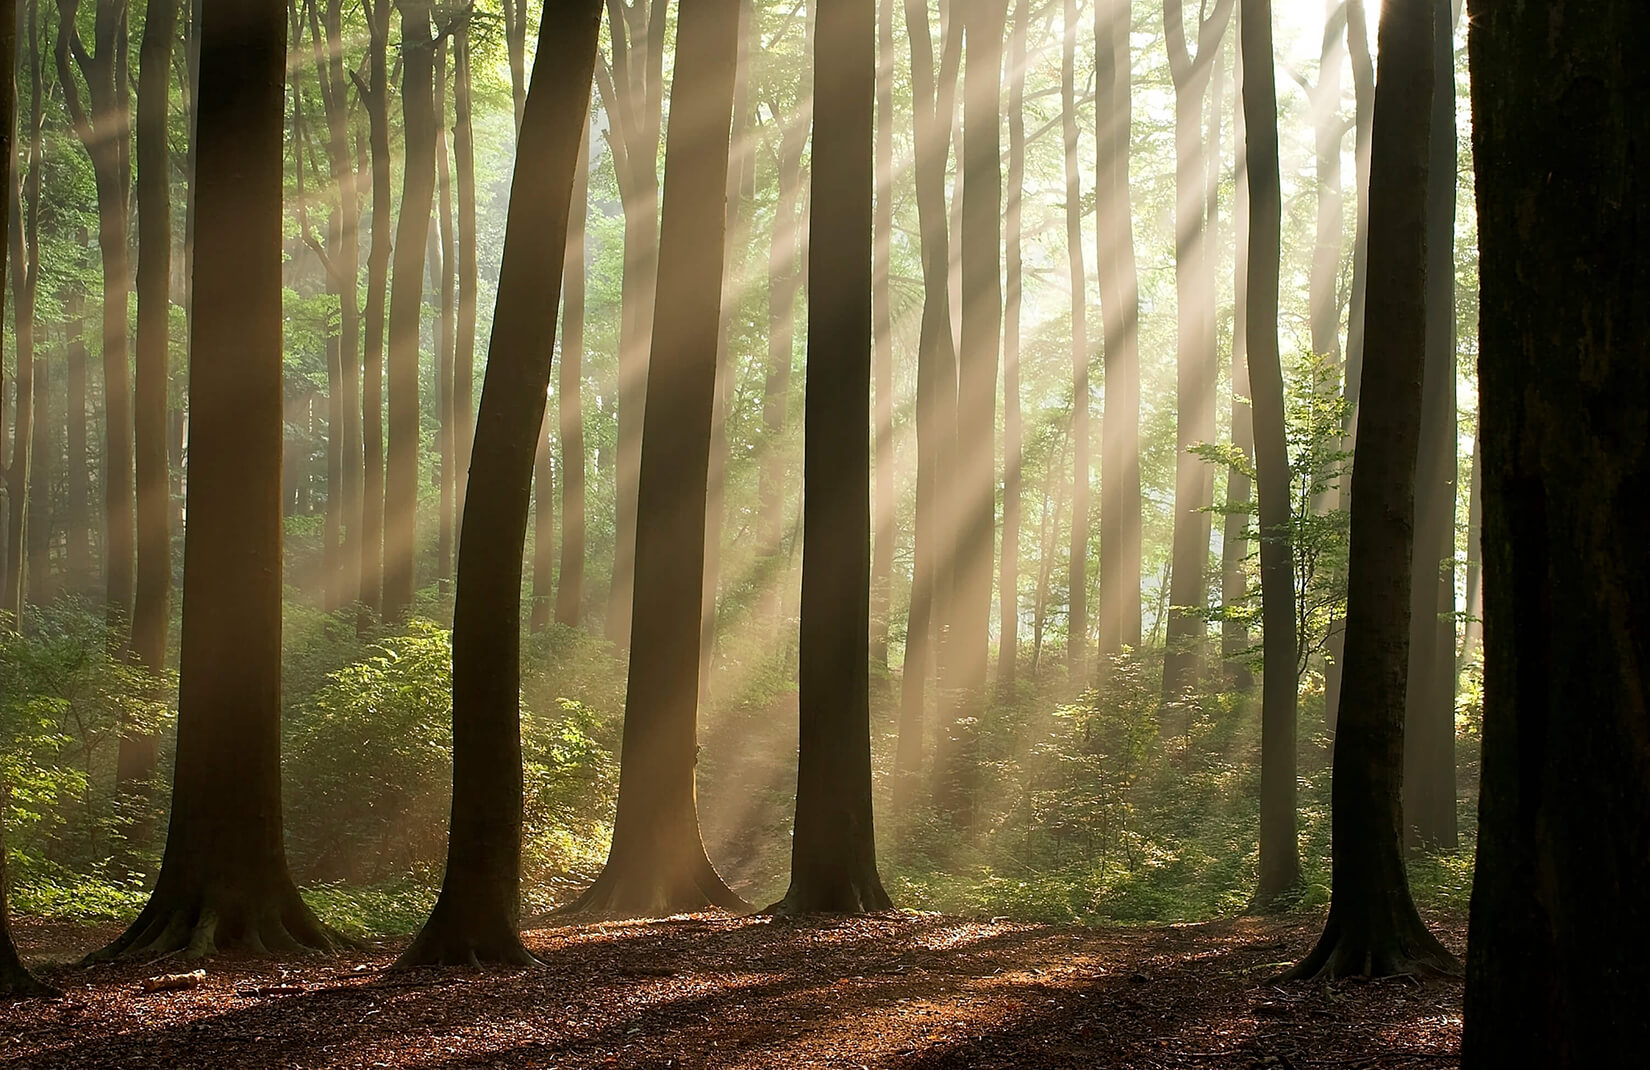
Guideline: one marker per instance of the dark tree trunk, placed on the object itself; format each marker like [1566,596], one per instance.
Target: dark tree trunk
[1429,730]
[77,508]
[1234,576]
[1077,639]
[1556,968]
[375,90]
[13,224]
[464,423]
[476,918]
[104,133]
[446,334]
[151,614]
[16,982]
[1279,849]
[883,519]
[406,301]
[1008,584]
[833,851]
[25,289]
[936,395]
[223,883]
[1196,361]
[657,864]
[632,91]
[1373,929]
[1120,321]
[569,402]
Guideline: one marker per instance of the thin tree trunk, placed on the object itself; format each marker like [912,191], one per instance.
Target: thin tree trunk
[544,526]
[375,90]
[569,401]
[464,422]
[15,219]
[1008,632]
[883,519]
[477,917]
[515,47]
[446,335]
[1234,576]
[1279,849]
[77,523]
[1077,644]
[1472,629]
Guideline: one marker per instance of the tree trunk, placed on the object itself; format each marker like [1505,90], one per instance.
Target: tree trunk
[1196,361]
[1008,586]
[77,522]
[569,401]
[1120,320]
[1077,641]
[223,884]
[1429,731]
[476,919]
[1556,968]
[25,289]
[16,981]
[544,526]
[515,47]
[103,132]
[833,851]
[657,864]
[464,422]
[376,93]
[406,301]
[884,521]
[1373,928]
[983,22]
[1279,849]
[446,335]
[936,395]
[1234,576]
[151,615]
[1472,629]
[12,576]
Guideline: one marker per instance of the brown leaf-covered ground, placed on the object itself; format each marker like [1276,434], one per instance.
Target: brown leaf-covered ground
[715,991]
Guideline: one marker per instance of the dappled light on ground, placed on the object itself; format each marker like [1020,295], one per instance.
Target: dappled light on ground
[715,991]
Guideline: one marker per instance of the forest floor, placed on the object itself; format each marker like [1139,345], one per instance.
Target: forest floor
[718,991]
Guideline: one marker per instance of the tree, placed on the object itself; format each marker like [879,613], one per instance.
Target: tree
[1373,928]
[223,883]
[151,613]
[1120,322]
[1279,850]
[1008,586]
[657,864]
[1556,970]
[16,219]
[883,518]
[833,851]
[447,325]
[1078,626]
[104,133]
[375,91]
[406,301]
[1196,360]
[1234,547]
[468,283]
[569,405]
[476,918]
[931,564]
[77,526]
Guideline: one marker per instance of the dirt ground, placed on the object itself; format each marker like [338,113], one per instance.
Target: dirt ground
[716,991]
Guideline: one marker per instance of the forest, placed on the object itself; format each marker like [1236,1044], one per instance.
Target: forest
[757,533]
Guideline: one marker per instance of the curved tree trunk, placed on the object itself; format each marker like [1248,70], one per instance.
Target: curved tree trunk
[223,883]
[476,918]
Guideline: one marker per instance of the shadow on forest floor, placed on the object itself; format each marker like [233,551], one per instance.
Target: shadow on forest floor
[716,991]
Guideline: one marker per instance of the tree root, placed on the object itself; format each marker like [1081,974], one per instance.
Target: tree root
[1400,950]
[16,982]
[843,898]
[624,892]
[203,925]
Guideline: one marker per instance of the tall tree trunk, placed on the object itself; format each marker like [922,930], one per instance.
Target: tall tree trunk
[406,301]
[12,223]
[1279,848]
[983,23]
[1323,299]
[883,518]
[446,335]
[464,422]
[936,394]
[1077,644]
[477,917]
[151,615]
[1234,576]
[569,401]
[515,47]
[104,133]
[657,864]
[375,90]
[1556,968]
[77,520]
[1120,319]
[1373,928]
[223,883]
[1472,628]
[1429,730]
[631,88]
[833,852]
[1196,360]
[1008,632]
[40,588]
[544,525]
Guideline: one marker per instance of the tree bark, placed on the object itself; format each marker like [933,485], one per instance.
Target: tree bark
[657,864]
[476,918]
[1373,928]
[569,396]
[1120,320]
[884,522]
[406,301]
[1078,583]
[375,90]
[833,851]
[16,218]
[77,524]
[447,330]
[1556,968]
[223,884]
[1008,586]
[25,289]
[1279,849]
[1234,576]
[464,422]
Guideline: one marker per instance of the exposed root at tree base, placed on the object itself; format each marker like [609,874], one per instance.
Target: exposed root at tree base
[453,939]
[849,897]
[18,983]
[622,893]
[1414,952]
[204,925]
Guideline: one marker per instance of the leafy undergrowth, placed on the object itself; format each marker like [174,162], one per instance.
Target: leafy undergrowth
[897,990]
